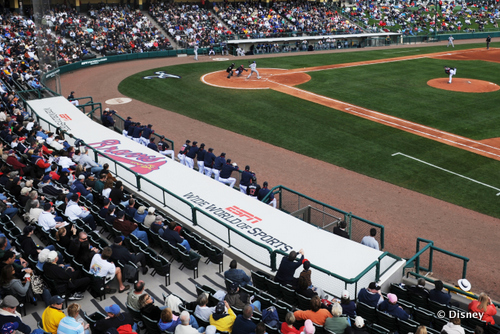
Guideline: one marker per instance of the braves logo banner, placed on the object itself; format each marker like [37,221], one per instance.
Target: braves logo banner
[162,75]
[141,163]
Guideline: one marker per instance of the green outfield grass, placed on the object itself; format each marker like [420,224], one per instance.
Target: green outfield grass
[397,88]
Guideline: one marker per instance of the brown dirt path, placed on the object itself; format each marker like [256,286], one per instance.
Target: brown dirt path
[405,214]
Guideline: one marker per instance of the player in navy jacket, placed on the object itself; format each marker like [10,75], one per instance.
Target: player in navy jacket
[191,154]
[226,171]
[208,162]
[219,162]
[200,158]
[246,179]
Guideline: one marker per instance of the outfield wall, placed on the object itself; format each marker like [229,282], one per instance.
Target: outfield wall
[248,226]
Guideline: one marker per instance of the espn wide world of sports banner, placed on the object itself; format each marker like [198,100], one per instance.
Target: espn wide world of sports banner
[259,221]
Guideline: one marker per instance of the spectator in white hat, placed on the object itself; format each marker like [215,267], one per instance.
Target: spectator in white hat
[348,305]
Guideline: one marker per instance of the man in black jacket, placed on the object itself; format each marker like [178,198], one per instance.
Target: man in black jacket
[63,276]
[122,254]
[340,230]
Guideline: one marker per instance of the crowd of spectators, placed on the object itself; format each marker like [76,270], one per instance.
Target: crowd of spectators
[189,24]
[284,19]
[106,30]
[412,19]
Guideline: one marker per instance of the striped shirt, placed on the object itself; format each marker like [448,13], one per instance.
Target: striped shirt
[69,325]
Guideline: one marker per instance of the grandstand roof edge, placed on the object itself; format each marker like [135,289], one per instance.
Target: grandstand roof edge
[301,38]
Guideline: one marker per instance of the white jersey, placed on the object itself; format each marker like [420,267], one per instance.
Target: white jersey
[253,66]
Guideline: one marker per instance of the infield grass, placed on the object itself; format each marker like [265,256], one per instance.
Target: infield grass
[397,88]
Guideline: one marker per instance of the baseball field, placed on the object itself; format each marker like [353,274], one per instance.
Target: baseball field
[371,112]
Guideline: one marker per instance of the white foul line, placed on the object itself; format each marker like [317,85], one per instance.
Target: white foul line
[449,171]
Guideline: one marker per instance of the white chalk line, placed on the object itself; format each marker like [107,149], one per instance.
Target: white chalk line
[449,171]
[375,62]
[397,125]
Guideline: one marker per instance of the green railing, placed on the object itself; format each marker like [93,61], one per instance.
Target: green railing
[323,215]
[337,283]
[449,287]
[414,261]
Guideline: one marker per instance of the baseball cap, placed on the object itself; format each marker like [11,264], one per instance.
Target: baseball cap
[359,322]
[374,286]
[81,177]
[392,298]
[113,309]
[118,239]
[345,294]
[9,328]
[9,301]
[46,177]
[220,308]
[56,300]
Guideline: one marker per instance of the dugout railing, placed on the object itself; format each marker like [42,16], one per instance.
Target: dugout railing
[416,260]
[323,215]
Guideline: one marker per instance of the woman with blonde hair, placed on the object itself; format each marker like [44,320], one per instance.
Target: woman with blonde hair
[485,307]
[70,322]
[421,330]
[287,326]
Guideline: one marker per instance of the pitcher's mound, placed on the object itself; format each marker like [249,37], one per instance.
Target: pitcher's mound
[464,85]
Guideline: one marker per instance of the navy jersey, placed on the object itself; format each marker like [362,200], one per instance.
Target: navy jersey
[219,162]
[209,159]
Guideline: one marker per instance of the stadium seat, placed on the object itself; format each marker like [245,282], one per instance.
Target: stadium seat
[407,326]
[216,255]
[434,307]
[176,256]
[367,312]
[161,266]
[399,291]
[303,302]
[473,323]
[386,320]
[258,280]
[282,308]
[274,288]
[423,316]
[136,314]
[419,301]
[377,329]
[190,261]
[437,323]
[151,325]
[288,294]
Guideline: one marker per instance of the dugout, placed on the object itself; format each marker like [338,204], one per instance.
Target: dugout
[304,43]
[248,228]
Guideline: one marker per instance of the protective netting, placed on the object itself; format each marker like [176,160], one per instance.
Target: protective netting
[325,216]
[46,44]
